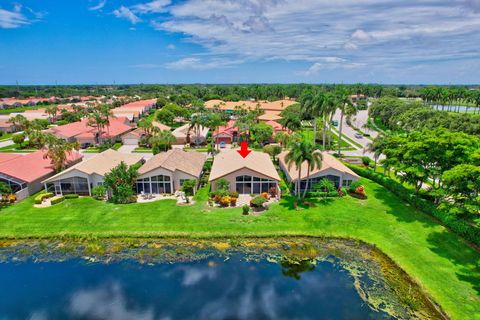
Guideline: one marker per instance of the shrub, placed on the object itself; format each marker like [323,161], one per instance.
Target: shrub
[57,200]
[233,201]
[366,161]
[459,226]
[18,138]
[225,201]
[223,184]
[245,209]
[258,201]
[71,196]
[354,185]
[322,194]
[265,195]
[273,192]
[39,198]
[99,192]
[233,194]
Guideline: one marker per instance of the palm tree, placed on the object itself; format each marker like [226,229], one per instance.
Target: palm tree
[52,111]
[328,110]
[213,122]
[100,118]
[303,151]
[345,105]
[147,126]
[163,138]
[57,151]
[376,146]
[283,139]
[19,122]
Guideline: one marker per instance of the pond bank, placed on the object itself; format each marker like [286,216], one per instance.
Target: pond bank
[389,288]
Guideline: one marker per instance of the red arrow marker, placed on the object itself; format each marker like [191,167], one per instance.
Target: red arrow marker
[244,152]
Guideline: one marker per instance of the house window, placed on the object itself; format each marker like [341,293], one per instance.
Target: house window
[312,181]
[347,183]
[248,184]
[156,184]
[76,185]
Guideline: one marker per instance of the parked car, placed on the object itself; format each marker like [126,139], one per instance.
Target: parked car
[222,145]
[335,123]
[358,135]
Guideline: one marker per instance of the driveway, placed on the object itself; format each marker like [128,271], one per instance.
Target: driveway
[361,120]
[6,143]
[127,148]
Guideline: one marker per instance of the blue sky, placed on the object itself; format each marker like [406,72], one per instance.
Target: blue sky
[239,41]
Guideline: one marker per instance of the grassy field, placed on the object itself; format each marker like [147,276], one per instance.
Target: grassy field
[446,267]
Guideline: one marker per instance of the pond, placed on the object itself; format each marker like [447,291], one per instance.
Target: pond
[161,279]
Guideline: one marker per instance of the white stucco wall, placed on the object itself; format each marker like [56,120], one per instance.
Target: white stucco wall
[231,178]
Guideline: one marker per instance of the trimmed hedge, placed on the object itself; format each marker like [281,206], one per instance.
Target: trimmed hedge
[39,198]
[57,200]
[460,227]
[320,194]
[71,196]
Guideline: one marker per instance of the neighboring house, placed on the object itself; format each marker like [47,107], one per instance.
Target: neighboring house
[166,171]
[226,134]
[277,127]
[25,173]
[270,116]
[185,135]
[133,137]
[230,106]
[253,174]
[331,169]
[82,177]
[5,126]
[85,134]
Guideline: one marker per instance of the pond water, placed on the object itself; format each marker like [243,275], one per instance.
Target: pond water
[207,285]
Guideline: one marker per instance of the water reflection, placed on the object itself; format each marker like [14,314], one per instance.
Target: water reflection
[206,289]
[293,267]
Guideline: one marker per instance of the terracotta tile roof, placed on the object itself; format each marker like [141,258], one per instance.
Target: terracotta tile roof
[4,157]
[229,161]
[190,162]
[329,162]
[270,116]
[32,166]
[278,105]
[101,163]
[228,129]
[277,127]
[117,126]
[161,126]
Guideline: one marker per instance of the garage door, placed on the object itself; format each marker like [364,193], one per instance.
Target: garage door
[130,141]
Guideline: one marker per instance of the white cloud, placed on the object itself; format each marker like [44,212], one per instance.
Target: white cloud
[193,63]
[106,302]
[13,19]
[171,46]
[125,13]
[98,6]
[370,32]
[155,6]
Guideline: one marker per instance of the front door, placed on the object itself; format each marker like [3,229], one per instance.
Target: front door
[58,189]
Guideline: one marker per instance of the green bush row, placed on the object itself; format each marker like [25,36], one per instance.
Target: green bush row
[321,194]
[459,226]
[57,200]
[71,196]
[42,196]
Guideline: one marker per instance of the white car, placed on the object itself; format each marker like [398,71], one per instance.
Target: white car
[358,135]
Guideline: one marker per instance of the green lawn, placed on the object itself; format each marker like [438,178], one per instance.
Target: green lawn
[308,134]
[438,260]
[116,146]
[16,148]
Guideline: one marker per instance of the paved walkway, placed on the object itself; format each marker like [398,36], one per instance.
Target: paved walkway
[127,148]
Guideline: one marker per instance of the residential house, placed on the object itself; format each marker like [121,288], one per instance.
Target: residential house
[230,106]
[166,171]
[331,168]
[86,134]
[253,174]
[227,134]
[196,136]
[82,177]
[133,137]
[6,126]
[25,173]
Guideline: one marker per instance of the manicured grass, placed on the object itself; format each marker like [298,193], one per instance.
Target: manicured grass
[6,136]
[308,134]
[20,109]
[446,267]
[142,150]
[16,148]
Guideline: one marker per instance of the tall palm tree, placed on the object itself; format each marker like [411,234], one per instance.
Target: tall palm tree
[57,150]
[344,104]
[376,147]
[214,121]
[328,109]
[163,138]
[298,153]
[52,111]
